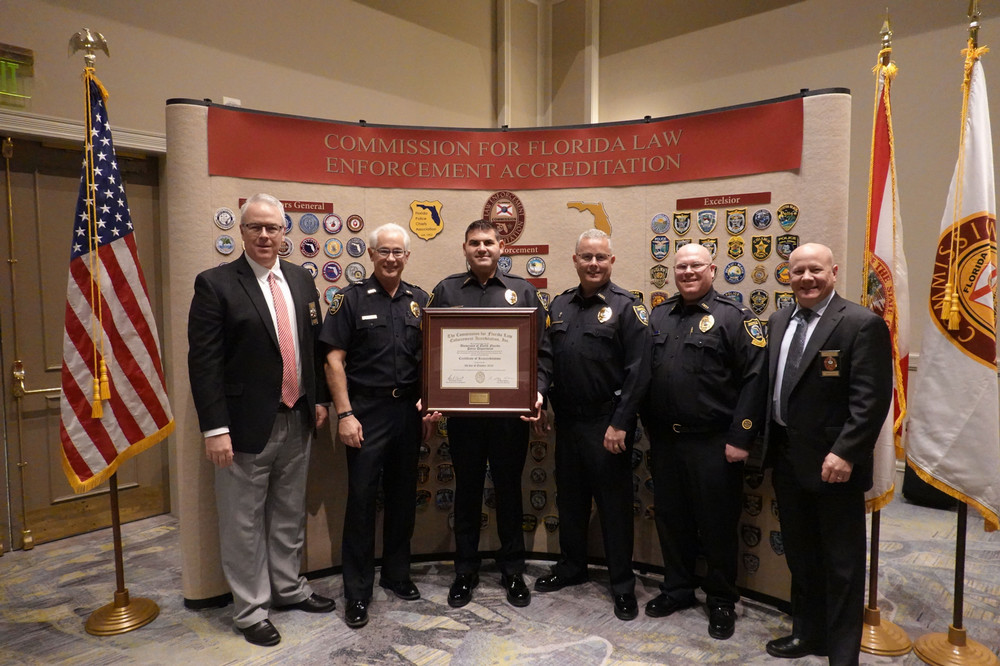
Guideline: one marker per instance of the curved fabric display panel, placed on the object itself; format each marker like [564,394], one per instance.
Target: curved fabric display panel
[750,182]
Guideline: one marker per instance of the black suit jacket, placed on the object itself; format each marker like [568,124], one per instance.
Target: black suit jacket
[234,361]
[840,394]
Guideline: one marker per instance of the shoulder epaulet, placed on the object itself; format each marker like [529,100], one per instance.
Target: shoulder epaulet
[719,298]
[567,291]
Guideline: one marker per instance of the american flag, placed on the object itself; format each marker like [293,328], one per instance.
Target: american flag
[114,401]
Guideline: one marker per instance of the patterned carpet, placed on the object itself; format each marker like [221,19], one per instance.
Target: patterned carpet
[46,595]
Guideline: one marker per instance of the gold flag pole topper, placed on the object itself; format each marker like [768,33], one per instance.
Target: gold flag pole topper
[879,636]
[124,613]
[955,647]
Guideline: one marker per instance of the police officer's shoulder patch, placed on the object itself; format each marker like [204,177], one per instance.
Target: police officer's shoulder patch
[755,331]
[641,314]
[430,300]
[338,300]
[541,300]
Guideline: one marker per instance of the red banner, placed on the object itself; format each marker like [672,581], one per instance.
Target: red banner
[746,140]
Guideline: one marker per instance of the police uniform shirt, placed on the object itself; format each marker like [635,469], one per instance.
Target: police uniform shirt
[596,351]
[500,291]
[709,367]
[380,333]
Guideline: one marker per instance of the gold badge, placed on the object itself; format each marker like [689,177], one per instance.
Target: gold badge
[604,314]
[511,296]
[415,309]
[831,362]
[706,323]
[747,424]
[314,313]
[335,304]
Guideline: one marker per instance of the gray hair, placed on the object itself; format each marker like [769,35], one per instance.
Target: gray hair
[376,234]
[594,233]
[263,198]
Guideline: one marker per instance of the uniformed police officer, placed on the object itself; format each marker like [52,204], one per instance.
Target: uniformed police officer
[373,369]
[500,441]
[594,367]
[705,404]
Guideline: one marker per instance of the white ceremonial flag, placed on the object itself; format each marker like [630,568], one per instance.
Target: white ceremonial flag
[886,283]
[954,428]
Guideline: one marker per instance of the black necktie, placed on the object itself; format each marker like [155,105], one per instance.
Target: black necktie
[794,357]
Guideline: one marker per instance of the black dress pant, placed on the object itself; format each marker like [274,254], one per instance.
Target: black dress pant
[586,472]
[503,443]
[697,495]
[391,431]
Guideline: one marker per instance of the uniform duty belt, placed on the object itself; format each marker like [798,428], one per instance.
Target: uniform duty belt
[385,392]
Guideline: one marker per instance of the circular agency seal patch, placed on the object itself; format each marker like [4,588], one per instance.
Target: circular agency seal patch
[505,210]
[975,280]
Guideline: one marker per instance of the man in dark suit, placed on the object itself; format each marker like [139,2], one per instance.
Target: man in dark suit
[830,389]
[257,383]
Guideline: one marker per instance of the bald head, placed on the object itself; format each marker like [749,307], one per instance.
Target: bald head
[813,274]
[693,272]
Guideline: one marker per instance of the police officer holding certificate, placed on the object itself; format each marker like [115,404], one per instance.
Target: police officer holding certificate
[501,442]
[594,367]
[706,402]
[373,369]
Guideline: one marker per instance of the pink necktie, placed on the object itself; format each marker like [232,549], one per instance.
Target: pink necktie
[286,343]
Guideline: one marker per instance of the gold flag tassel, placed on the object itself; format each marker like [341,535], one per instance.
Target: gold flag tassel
[105,385]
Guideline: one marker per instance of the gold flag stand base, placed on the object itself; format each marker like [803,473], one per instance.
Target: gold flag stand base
[122,615]
[882,637]
[952,648]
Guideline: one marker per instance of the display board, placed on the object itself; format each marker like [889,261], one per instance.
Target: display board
[749,182]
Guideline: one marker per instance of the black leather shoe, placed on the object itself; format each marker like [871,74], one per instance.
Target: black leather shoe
[721,623]
[518,593]
[793,647]
[460,592]
[356,614]
[404,589]
[262,633]
[663,605]
[314,603]
[626,607]
[554,582]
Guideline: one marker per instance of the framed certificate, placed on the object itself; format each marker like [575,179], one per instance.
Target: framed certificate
[481,361]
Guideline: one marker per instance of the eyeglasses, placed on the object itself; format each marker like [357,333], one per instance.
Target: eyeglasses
[396,252]
[599,258]
[696,268]
[258,229]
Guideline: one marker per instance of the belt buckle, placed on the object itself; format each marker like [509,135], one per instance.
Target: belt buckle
[677,428]
[396,392]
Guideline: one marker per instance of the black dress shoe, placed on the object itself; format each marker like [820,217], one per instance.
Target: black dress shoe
[356,614]
[626,607]
[314,603]
[663,605]
[262,633]
[554,582]
[404,589]
[721,623]
[793,647]
[460,592]
[518,593]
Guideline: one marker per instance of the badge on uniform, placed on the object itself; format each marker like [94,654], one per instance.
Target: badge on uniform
[682,222]
[706,323]
[706,221]
[314,313]
[735,247]
[604,314]
[785,244]
[712,244]
[758,301]
[510,296]
[338,300]
[658,276]
[760,247]
[756,332]
[736,220]
[831,362]
[659,247]
[746,424]
[415,309]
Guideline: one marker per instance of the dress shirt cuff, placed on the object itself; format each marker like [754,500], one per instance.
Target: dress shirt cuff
[215,431]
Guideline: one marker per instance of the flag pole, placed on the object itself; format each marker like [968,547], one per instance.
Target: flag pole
[879,637]
[123,614]
[955,647]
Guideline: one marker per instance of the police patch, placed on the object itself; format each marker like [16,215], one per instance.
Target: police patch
[445,473]
[490,497]
[538,449]
[551,523]
[750,535]
[659,247]
[783,299]
[706,221]
[543,299]
[636,458]
[758,301]
[782,273]
[785,244]
[338,300]
[734,272]
[788,215]
[736,220]
[658,276]
[658,297]
[735,247]
[682,222]
[529,523]
[761,218]
[759,274]
[660,223]
[734,296]
[751,562]
[756,332]
[681,242]
[641,314]
[538,499]
[539,475]
[753,478]
[415,309]
[752,504]
[777,542]
[760,247]
[711,243]
[444,499]
[504,264]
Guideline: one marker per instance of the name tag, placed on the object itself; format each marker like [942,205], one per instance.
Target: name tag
[369,317]
[831,362]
